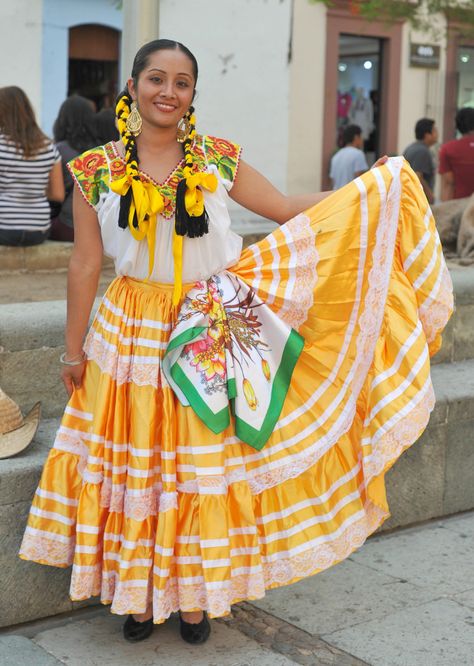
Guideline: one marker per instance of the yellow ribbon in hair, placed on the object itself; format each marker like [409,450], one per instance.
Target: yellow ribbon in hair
[146,202]
[193,198]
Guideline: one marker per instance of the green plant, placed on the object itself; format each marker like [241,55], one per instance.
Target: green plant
[419,13]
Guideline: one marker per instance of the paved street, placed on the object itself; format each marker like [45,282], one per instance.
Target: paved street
[404,599]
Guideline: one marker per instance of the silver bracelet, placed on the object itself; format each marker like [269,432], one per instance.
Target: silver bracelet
[63,361]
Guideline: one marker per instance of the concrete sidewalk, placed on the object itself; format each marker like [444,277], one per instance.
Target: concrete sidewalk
[404,599]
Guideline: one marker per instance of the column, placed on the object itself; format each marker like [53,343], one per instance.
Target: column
[140,25]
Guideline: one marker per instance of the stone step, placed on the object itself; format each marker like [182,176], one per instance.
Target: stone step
[32,334]
[29,591]
[31,341]
[52,255]
[458,336]
[44,257]
[432,479]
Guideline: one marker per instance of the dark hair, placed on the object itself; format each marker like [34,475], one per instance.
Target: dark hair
[18,123]
[349,134]
[75,123]
[422,127]
[105,129]
[465,120]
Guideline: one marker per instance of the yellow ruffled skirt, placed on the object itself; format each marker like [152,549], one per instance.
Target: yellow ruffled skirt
[150,506]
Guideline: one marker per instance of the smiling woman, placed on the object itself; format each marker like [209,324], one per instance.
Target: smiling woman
[232,414]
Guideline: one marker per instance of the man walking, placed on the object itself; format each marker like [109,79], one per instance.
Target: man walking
[419,156]
[349,162]
[456,159]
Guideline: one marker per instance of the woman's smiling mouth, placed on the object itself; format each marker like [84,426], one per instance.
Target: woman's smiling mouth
[167,108]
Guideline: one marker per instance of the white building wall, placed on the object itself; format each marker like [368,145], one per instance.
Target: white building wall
[421,90]
[243,88]
[58,17]
[20,46]
[306,113]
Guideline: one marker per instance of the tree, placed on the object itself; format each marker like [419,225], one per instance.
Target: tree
[418,13]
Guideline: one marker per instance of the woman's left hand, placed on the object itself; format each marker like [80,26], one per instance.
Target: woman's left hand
[380,161]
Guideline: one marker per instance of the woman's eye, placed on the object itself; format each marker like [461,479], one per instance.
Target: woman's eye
[156,79]
[183,84]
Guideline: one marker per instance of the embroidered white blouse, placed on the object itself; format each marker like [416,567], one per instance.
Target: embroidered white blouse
[202,257]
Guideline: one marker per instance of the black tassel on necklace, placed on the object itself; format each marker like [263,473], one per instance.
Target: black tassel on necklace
[186,224]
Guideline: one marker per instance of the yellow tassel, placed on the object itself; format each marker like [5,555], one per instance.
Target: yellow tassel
[178,267]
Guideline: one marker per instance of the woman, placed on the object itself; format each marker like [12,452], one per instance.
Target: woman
[74,132]
[162,497]
[30,172]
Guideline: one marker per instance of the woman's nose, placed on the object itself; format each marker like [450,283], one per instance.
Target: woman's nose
[167,89]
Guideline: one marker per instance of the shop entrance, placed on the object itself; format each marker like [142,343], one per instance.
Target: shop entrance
[359,90]
[93,63]
[353,42]
[465,72]
[459,91]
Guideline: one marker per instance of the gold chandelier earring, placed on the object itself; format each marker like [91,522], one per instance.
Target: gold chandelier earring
[184,129]
[134,120]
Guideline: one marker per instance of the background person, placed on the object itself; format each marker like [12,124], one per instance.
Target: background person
[419,156]
[456,159]
[30,172]
[105,127]
[350,161]
[74,132]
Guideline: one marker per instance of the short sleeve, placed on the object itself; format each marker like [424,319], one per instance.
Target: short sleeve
[225,156]
[331,168]
[444,161]
[56,154]
[90,172]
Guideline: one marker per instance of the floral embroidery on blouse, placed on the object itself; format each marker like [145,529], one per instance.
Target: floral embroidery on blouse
[91,172]
[224,154]
[94,169]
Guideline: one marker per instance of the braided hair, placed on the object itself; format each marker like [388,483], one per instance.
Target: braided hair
[122,110]
[186,224]
[191,224]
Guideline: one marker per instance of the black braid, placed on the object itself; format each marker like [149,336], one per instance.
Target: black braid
[186,224]
[132,160]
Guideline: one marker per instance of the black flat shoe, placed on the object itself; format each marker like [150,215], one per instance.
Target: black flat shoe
[134,631]
[194,633]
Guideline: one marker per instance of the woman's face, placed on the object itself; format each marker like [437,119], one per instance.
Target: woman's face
[165,88]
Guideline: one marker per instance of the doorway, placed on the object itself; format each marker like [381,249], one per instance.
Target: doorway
[93,63]
[359,90]
[350,36]
[465,72]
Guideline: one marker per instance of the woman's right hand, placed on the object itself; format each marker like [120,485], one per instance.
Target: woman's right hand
[72,376]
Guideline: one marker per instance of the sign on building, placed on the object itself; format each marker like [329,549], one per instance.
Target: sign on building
[424,55]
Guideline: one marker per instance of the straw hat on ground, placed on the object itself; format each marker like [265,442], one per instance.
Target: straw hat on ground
[16,432]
